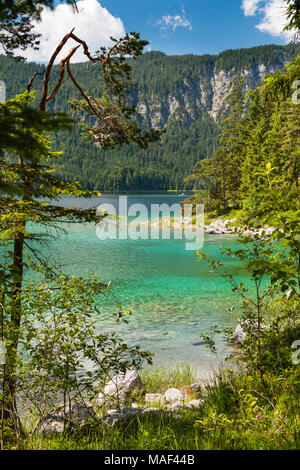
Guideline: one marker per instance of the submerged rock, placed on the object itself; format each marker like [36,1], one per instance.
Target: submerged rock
[202,342]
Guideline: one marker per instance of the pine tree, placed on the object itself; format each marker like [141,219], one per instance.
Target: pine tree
[26,179]
[222,174]
[232,140]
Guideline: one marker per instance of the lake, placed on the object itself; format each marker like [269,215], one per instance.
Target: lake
[172,297]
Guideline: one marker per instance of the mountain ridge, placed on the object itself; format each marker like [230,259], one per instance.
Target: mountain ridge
[185,94]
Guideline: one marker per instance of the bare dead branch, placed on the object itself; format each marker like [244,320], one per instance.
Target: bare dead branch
[85,48]
[65,62]
[62,73]
[31,80]
[93,109]
[49,68]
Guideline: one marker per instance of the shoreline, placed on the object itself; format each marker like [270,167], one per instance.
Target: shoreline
[217,227]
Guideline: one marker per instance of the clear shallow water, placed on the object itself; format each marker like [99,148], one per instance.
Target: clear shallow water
[171,296]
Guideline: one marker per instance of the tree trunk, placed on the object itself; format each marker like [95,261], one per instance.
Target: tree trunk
[10,413]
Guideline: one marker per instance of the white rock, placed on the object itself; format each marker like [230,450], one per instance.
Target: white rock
[173,395]
[120,388]
[151,410]
[48,426]
[100,400]
[154,398]
[111,412]
[177,406]
[129,411]
[76,415]
[112,417]
[79,413]
[218,227]
[123,383]
[239,335]
[194,404]
[266,231]
[248,233]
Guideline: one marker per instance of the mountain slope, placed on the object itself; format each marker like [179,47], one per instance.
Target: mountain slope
[184,94]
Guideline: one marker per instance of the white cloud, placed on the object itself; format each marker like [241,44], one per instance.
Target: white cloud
[250,7]
[272,16]
[94,24]
[169,22]
[274,19]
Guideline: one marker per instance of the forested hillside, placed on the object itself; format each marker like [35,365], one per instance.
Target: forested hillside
[186,95]
[256,168]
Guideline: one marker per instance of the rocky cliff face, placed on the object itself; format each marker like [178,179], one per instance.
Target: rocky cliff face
[182,88]
[203,97]
[183,94]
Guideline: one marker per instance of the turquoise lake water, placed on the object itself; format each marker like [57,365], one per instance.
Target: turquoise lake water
[172,297]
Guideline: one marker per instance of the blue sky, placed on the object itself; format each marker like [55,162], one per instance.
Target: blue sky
[171,26]
[215,25]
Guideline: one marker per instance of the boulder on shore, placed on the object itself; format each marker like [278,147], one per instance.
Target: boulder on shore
[154,398]
[194,404]
[173,395]
[72,416]
[240,332]
[119,389]
[218,227]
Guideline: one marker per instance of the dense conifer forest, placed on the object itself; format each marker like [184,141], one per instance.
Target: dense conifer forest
[185,95]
